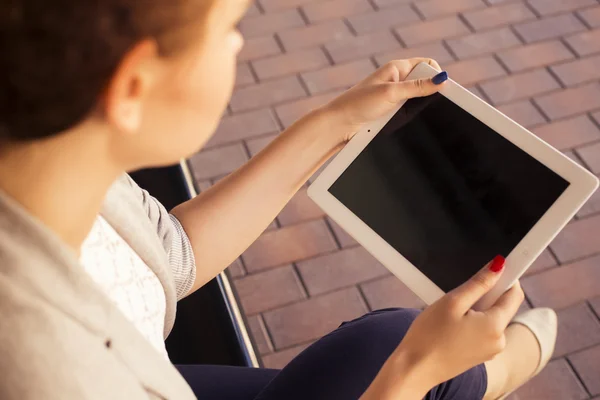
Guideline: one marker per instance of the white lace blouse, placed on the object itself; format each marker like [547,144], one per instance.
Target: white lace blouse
[127,281]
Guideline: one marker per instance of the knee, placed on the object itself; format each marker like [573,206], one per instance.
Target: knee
[397,316]
[366,342]
[383,326]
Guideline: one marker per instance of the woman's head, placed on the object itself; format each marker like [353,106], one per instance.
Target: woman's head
[150,78]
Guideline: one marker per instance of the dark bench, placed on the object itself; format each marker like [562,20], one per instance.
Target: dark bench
[210,328]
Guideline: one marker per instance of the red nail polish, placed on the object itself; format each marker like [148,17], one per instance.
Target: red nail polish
[497,264]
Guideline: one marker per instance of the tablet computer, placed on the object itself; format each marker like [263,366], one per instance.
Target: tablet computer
[439,187]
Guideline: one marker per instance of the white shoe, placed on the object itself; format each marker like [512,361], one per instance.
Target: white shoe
[543,323]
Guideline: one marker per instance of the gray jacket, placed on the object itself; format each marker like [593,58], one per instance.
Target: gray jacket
[60,336]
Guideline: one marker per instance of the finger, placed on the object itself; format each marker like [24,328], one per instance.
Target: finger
[435,64]
[507,305]
[430,61]
[471,291]
[405,67]
[398,70]
[414,88]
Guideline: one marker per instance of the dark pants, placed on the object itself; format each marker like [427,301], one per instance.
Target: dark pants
[341,365]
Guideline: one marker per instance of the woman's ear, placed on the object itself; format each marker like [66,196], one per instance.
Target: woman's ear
[130,86]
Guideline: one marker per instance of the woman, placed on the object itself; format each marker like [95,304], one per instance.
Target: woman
[91,266]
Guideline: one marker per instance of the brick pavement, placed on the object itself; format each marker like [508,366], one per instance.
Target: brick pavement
[536,60]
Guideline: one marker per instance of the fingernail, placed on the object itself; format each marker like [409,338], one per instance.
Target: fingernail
[440,78]
[497,264]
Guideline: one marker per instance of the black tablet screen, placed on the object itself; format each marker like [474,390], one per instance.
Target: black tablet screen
[445,190]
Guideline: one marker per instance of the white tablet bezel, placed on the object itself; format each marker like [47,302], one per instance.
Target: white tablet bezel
[582,185]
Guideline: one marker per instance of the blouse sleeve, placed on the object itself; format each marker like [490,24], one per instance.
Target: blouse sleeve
[174,239]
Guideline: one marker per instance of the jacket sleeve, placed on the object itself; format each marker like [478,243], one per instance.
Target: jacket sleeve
[173,238]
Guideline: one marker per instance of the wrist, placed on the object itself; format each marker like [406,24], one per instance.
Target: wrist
[412,374]
[403,376]
[327,126]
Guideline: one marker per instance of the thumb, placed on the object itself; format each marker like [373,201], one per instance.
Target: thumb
[422,87]
[472,290]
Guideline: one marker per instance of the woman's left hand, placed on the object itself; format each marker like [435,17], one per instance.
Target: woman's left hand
[378,94]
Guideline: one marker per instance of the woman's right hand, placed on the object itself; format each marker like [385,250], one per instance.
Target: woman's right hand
[448,338]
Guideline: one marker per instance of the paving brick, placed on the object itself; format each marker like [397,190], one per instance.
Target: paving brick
[341,235]
[585,43]
[203,185]
[548,28]
[276,5]
[495,2]
[595,303]
[242,126]
[519,86]
[270,23]
[217,179]
[340,269]
[571,101]
[564,286]
[436,8]
[569,133]
[477,92]
[252,11]
[290,63]
[331,9]
[259,334]
[255,48]
[383,19]
[543,262]
[470,72]
[390,292]
[244,76]
[267,93]
[592,206]
[314,35]
[255,145]
[578,328]
[556,382]
[523,112]
[269,289]
[236,269]
[437,51]
[290,112]
[591,16]
[535,55]
[587,365]
[337,77]
[546,7]
[483,43]
[389,3]
[219,161]
[432,31]
[579,239]
[523,307]
[361,46]
[289,325]
[300,208]
[474,89]
[574,157]
[288,244]
[280,359]
[498,16]
[591,156]
[319,171]
[579,71]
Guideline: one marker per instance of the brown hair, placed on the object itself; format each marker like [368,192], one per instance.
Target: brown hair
[57,56]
